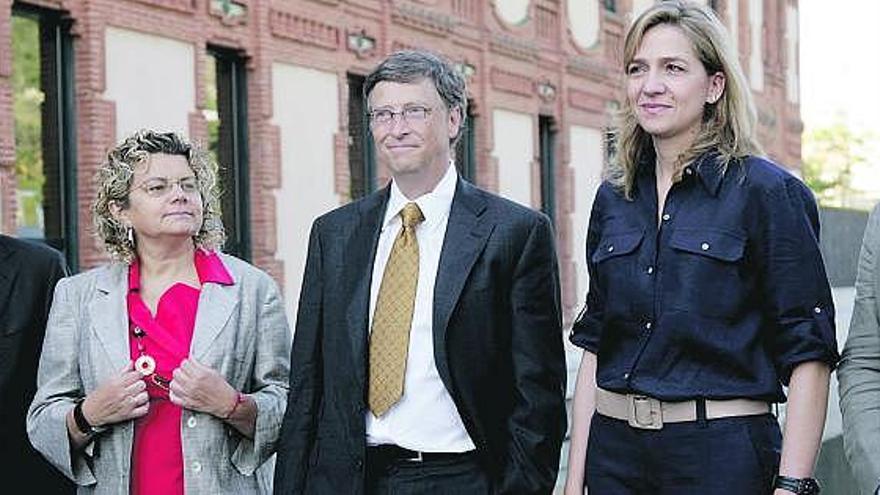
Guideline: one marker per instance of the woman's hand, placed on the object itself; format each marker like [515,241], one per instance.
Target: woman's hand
[118,399]
[197,387]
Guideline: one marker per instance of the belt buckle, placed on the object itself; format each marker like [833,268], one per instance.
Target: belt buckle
[645,412]
[417,458]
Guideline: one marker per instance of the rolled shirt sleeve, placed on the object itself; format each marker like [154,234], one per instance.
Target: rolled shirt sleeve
[795,285]
[587,327]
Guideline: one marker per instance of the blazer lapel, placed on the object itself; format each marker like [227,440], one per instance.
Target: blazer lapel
[8,271]
[361,249]
[109,313]
[216,304]
[467,231]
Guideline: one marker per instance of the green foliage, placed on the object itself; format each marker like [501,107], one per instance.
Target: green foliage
[27,103]
[830,154]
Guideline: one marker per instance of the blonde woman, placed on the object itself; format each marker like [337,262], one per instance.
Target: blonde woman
[707,289]
[166,370]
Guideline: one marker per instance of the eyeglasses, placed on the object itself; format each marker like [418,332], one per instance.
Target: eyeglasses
[158,187]
[413,115]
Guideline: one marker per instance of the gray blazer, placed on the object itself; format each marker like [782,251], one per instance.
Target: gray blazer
[241,331]
[859,371]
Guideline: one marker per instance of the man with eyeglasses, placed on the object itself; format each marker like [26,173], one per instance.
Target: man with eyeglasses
[427,356]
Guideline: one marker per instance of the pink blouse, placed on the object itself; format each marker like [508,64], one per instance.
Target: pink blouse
[157,456]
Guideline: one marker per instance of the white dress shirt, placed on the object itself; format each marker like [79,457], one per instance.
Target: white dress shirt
[425,419]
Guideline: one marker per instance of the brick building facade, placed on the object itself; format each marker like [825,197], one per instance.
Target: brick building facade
[543,78]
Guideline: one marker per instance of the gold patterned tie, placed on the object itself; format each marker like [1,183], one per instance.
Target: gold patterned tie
[392,319]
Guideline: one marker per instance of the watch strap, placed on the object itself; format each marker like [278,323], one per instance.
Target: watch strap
[799,486]
[82,424]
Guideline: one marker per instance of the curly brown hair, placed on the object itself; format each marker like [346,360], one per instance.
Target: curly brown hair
[113,181]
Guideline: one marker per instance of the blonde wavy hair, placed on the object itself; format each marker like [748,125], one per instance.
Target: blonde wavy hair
[113,181]
[728,125]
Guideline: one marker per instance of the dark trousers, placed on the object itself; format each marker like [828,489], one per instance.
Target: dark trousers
[461,475]
[729,456]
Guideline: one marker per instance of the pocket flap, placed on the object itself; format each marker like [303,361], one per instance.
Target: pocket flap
[721,245]
[617,245]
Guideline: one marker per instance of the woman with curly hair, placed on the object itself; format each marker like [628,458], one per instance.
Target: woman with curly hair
[164,371]
[707,289]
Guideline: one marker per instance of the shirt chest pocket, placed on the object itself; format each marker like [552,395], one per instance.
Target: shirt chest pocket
[615,258]
[708,265]
[713,244]
[616,245]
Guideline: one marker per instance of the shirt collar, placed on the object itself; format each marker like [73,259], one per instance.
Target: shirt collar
[209,267]
[708,170]
[705,168]
[435,205]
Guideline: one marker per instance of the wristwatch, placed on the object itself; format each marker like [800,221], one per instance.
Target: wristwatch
[82,424]
[798,486]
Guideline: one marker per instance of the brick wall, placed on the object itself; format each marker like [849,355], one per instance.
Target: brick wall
[511,63]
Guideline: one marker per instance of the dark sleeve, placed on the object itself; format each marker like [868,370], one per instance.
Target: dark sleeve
[538,422]
[587,327]
[795,287]
[297,437]
[56,269]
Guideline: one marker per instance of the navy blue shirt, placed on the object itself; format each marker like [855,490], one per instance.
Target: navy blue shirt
[722,299]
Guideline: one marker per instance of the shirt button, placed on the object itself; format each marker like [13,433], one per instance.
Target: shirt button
[688,171]
[666,217]
[610,249]
[626,376]
[650,270]
[196,466]
[704,246]
[648,325]
[817,310]
[191,422]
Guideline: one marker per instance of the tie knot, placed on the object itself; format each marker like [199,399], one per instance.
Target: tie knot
[411,215]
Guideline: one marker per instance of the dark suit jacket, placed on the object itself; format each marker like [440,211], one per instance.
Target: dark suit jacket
[497,345]
[28,273]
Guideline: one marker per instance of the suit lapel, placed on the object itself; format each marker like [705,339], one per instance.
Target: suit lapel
[216,304]
[8,271]
[361,249]
[467,231]
[109,313]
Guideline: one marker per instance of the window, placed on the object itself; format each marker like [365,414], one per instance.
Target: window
[466,149]
[547,131]
[610,144]
[44,121]
[361,155]
[226,113]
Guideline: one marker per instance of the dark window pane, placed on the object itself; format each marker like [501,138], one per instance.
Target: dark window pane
[361,156]
[226,114]
[547,130]
[44,116]
[466,150]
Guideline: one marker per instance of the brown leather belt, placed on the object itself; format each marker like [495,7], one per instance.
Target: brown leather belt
[644,412]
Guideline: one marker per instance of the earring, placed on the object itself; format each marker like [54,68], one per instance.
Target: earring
[129,233]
